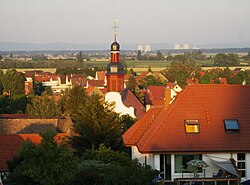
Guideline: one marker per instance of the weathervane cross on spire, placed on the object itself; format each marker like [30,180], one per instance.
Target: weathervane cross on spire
[115,26]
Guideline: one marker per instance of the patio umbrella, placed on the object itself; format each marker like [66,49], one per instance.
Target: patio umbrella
[197,163]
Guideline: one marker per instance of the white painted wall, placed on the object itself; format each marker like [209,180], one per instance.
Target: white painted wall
[119,106]
[154,161]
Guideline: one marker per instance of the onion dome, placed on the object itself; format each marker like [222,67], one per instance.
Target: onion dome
[115,68]
[115,46]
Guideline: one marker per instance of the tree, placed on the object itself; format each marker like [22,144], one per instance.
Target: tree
[240,78]
[139,55]
[222,59]
[14,105]
[1,84]
[140,96]
[127,121]
[80,57]
[96,123]
[159,55]
[13,82]
[149,69]
[72,100]
[38,88]
[181,68]
[205,79]
[131,83]
[150,80]
[227,74]
[45,163]
[104,166]
[42,107]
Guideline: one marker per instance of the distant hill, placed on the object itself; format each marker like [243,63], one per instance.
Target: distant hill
[20,46]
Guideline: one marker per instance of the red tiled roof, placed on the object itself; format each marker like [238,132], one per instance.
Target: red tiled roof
[104,90]
[137,130]
[42,78]
[126,77]
[210,104]
[157,92]
[10,144]
[130,100]
[89,89]
[202,73]
[192,81]
[78,80]
[141,76]
[96,83]
[6,116]
[223,81]
[100,75]
[155,95]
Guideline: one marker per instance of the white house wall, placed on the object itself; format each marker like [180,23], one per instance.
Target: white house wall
[119,106]
[154,161]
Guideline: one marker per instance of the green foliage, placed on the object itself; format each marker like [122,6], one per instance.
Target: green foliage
[75,70]
[131,84]
[96,123]
[12,81]
[181,68]
[205,79]
[198,55]
[127,121]
[106,155]
[79,57]
[240,78]
[227,74]
[149,81]
[105,167]
[1,84]
[138,93]
[42,107]
[159,55]
[43,164]
[149,69]
[139,55]
[72,100]
[222,59]
[13,105]
[38,88]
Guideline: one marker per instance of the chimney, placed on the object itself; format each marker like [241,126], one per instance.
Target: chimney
[167,93]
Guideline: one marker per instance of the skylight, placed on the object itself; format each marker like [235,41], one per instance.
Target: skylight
[192,126]
[231,125]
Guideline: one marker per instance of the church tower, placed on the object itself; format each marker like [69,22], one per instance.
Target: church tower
[115,69]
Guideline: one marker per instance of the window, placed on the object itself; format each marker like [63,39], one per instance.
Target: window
[241,164]
[192,126]
[181,163]
[231,125]
[113,69]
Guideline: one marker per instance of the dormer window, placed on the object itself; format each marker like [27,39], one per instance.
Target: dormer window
[192,126]
[231,125]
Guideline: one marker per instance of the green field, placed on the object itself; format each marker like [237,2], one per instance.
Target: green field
[137,65]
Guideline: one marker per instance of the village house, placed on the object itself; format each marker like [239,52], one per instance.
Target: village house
[16,128]
[205,122]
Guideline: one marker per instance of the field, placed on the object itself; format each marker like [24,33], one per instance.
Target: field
[138,66]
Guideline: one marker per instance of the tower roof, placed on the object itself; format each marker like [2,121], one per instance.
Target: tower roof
[115,46]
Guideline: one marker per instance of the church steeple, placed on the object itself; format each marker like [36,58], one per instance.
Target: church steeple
[115,70]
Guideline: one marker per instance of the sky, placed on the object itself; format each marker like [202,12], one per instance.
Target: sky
[140,21]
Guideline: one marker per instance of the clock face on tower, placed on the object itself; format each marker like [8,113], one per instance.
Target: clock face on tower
[113,69]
